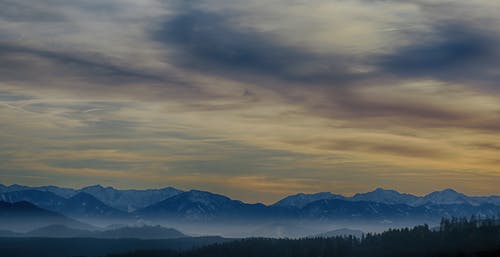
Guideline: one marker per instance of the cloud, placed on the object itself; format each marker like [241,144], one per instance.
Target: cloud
[25,11]
[27,63]
[215,43]
[410,150]
[452,52]
[421,104]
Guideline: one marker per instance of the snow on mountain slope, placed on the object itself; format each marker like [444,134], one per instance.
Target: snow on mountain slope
[301,200]
[385,196]
[130,200]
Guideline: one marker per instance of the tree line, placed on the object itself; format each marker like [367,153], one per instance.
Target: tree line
[455,237]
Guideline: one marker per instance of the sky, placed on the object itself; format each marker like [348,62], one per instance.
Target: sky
[254,99]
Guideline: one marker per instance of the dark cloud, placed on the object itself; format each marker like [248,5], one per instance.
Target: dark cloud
[370,107]
[20,11]
[490,146]
[390,148]
[8,96]
[453,52]
[72,70]
[22,63]
[212,42]
[364,112]
[94,164]
[51,10]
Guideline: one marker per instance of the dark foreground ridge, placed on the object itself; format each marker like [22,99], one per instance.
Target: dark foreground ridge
[454,238]
[90,247]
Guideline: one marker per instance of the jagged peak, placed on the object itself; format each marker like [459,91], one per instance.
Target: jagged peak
[383,190]
[450,190]
[446,191]
[199,193]
[96,186]
[16,186]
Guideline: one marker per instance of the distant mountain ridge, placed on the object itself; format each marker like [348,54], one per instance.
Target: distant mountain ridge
[200,205]
[79,206]
[301,199]
[385,196]
[124,200]
[133,199]
[130,200]
[388,196]
[172,205]
[60,191]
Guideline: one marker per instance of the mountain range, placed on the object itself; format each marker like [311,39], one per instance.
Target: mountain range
[197,205]
[380,195]
[80,206]
[170,205]
[124,200]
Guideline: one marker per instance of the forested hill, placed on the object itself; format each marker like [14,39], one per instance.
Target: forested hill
[454,238]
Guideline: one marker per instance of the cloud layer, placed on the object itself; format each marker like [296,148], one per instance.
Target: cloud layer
[256,99]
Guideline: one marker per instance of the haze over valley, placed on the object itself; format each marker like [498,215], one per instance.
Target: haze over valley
[76,212]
